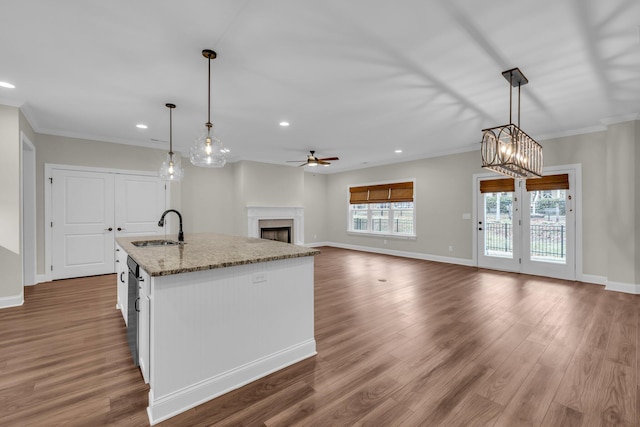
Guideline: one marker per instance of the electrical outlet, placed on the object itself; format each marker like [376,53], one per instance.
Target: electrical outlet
[259,277]
[384,241]
[450,248]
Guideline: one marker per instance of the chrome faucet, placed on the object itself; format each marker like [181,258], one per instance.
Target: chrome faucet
[161,223]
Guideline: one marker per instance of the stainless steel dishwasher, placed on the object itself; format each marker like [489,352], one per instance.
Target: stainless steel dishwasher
[133,300]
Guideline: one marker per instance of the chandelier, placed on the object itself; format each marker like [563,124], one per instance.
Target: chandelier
[207,150]
[507,149]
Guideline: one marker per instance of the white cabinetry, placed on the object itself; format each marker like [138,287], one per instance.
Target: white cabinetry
[144,282]
[122,278]
[143,323]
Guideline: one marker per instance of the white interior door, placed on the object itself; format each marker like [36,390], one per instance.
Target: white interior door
[82,223]
[139,203]
[89,209]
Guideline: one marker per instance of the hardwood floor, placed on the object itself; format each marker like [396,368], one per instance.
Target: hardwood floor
[400,342]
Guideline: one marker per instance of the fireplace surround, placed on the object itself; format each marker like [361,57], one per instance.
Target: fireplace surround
[273,213]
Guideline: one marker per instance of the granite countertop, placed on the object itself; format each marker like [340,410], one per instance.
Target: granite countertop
[206,251]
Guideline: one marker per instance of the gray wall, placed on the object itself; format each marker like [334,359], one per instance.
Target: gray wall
[208,199]
[315,208]
[443,192]
[10,210]
[636,170]
[621,202]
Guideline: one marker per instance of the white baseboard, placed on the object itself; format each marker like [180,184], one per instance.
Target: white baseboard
[6,302]
[416,255]
[628,288]
[39,278]
[173,404]
[317,244]
[590,278]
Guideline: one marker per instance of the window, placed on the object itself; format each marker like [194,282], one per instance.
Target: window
[385,209]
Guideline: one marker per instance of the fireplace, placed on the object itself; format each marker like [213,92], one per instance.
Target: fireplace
[276,229]
[259,217]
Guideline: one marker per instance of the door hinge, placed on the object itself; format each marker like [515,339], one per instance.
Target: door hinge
[51,223]
[519,260]
[51,267]
[51,180]
[519,222]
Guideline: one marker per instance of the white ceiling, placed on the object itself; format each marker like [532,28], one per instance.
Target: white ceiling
[357,79]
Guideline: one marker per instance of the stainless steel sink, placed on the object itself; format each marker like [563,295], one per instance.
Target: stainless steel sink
[147,243]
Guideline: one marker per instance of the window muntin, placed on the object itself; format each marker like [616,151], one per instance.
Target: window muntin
[387,219]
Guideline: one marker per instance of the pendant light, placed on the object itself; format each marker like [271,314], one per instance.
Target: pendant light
[207,150]
[171,169]
[507,149]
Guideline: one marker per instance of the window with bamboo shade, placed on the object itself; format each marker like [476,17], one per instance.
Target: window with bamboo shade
[382,209]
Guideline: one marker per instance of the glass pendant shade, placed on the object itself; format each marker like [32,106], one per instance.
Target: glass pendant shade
[208,151]
[171,168]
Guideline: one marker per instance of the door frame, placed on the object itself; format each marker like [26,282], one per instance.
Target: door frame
[48,203]
[28,208]
[576,168]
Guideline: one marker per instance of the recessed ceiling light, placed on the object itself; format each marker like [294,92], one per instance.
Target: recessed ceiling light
[225,150]
[7,85]
[141,126]
[284,124]
[398,151]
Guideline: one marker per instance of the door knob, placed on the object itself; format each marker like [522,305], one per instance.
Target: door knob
[479,228]
[108,229]
[120,229]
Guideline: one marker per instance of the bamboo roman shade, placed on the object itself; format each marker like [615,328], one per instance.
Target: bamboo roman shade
[504,185]
[384,193]
[549,182]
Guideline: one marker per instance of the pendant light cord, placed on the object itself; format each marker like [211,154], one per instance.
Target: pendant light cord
[519,104]
[170,131]
[209,124]
[510,96]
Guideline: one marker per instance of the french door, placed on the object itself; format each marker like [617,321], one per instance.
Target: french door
[528,226]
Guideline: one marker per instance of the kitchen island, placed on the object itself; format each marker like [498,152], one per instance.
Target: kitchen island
[218,312]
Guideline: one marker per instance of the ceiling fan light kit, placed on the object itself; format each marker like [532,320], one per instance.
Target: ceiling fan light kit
[313,161]
[207,150]
[507,149]
[171,168]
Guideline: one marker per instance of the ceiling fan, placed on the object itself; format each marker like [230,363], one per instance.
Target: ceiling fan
[312,160]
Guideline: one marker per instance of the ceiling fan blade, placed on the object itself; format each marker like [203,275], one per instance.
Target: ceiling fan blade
[296,161]
[330,158]
[304,164]
[322,162]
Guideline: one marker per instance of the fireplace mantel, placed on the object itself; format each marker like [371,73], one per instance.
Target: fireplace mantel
[296,213]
